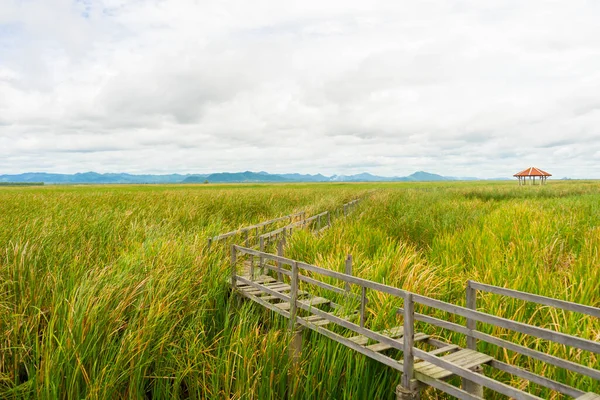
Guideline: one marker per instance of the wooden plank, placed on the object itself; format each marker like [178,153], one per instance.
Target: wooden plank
[262,279]
[394,332]
[390,362]
[329,273]
[293,302]
[310,280]
[540,380]
[538,355]
[278,287]
[250,227]
[408,371]
[475,377]
[471,303]
[315,301]
[589,396]
[541,333]
[534,298]
[383,346]
[363,305]
[446,387]
[445,349]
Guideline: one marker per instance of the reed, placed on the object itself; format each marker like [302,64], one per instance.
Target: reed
[110,292]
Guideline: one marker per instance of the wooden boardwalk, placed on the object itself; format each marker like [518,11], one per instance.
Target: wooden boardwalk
[323,300]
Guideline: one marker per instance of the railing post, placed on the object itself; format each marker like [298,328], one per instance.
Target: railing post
[251,267]
[345,210]
[363,304]
[296,343]
[233,267]
[293,295]
[209,242]
[262,259]
[348,270]
[280,254]
[328,219]
[471,323]
[319,223]
[246,242]
[408,390]
[469,386]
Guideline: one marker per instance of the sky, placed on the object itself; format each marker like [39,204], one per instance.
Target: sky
[460,88]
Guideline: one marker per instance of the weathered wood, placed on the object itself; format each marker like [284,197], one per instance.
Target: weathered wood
[233,267]
[541,333]
[460,361]
[475,377]
[589,396]
[261,257]
[441,350]
[363,305]
[251,227]
[540,380]
[550,359]
[279,253]
[384,346]
[294,296]
[534,298]
[314,301]
[348,270]
[392,333]
[310,280]
[409,337]
[390,362]
[464,358]
[471,303]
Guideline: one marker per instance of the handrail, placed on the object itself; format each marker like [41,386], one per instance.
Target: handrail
[406,346]
[534,298]
[302,222]
[256,226]
[541,333]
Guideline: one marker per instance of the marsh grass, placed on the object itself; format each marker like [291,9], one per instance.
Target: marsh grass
[109,292]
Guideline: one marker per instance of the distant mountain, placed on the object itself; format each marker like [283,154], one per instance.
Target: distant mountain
[91,177]
[237,177]
[306,178]
[422,176]
[221,177]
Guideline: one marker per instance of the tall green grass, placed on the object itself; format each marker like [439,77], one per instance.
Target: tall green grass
[109,292]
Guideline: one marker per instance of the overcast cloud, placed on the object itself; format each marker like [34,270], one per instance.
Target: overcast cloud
[462,88]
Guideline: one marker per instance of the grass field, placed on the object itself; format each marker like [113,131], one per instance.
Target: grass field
[109,292]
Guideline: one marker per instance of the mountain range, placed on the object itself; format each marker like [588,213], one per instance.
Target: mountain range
[220,177]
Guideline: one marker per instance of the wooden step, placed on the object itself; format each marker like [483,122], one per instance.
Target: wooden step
[383,346]
[464,358]
[445,349]
[314,301]
[394,332]
[261,279]
[275,287]
[589,396]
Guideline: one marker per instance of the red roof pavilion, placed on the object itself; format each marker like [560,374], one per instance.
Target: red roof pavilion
[532,173]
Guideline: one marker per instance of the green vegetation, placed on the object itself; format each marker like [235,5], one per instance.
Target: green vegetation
[109,292]
[21,183]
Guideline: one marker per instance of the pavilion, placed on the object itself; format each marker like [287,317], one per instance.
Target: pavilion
[532,172]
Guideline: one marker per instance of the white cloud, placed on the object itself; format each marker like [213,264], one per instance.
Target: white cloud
[455,87]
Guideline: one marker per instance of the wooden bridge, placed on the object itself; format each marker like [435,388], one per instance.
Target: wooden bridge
[323,300]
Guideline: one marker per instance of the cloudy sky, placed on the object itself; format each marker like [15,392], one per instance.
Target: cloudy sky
[463,88]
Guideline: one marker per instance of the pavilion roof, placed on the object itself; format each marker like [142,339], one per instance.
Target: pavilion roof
[532,171]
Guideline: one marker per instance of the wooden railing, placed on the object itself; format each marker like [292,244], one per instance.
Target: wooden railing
[317,222]
[245,231]
[303,272]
